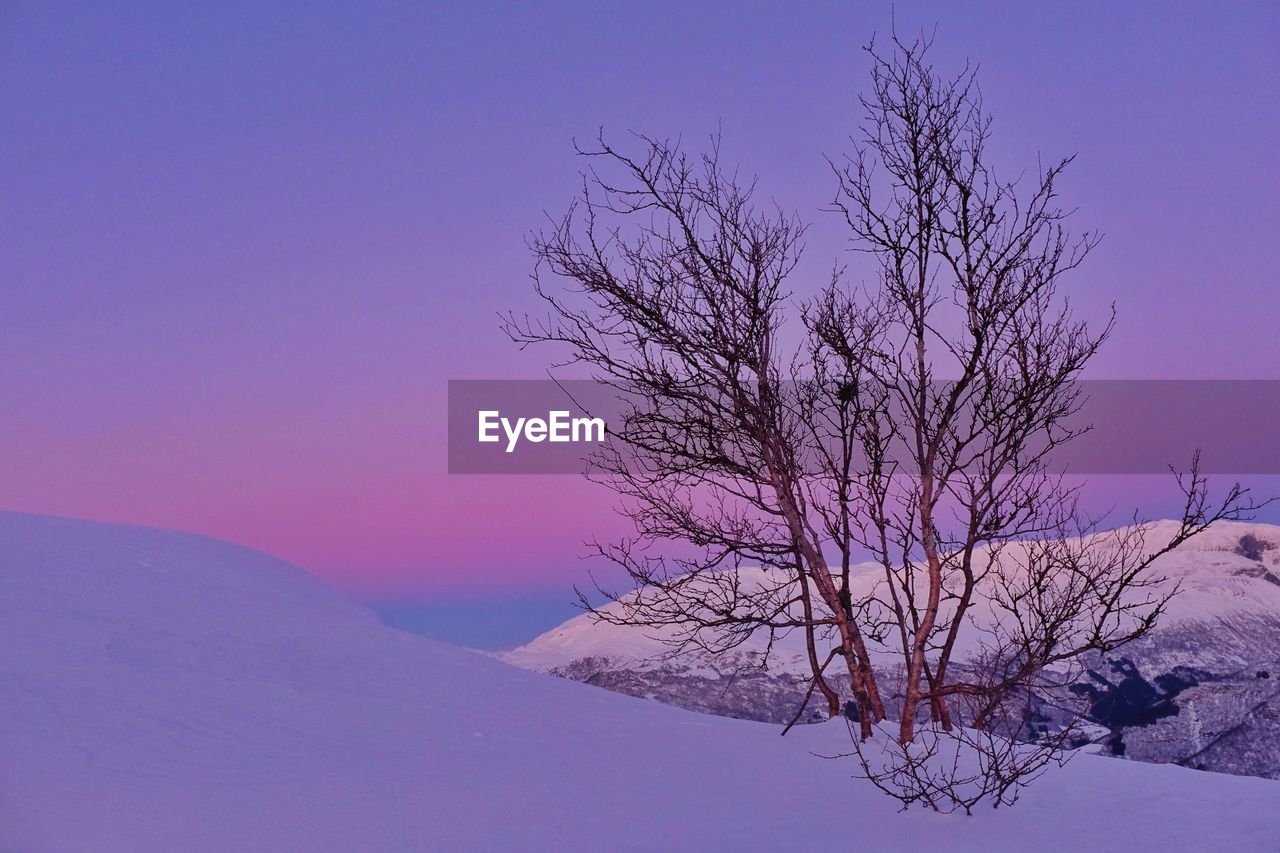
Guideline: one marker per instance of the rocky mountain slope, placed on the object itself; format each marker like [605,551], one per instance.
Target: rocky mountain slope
[1203,690]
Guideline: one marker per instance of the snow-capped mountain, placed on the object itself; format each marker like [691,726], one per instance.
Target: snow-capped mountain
[1203,690]
[167,692]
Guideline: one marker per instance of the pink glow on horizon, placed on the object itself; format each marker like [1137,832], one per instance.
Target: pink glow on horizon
[374,519]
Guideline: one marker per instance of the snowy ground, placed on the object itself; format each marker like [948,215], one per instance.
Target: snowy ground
[166,692]
[1215,583]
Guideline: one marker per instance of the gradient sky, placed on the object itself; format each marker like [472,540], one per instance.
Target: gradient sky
[245,246]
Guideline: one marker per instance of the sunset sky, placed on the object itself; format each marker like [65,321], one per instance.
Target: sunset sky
[244,250]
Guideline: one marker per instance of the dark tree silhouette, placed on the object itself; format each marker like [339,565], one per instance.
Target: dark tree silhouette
[915,423]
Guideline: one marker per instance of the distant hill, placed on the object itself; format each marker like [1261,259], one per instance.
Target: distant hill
[1203,690]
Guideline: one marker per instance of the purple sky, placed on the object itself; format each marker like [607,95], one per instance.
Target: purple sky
[246,246]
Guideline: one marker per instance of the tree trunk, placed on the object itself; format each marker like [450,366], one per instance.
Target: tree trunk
[916,666]
[833,698]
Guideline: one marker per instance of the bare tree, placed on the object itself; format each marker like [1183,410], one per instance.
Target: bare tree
[915,423]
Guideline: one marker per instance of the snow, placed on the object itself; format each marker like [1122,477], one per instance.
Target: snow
[162,691]
[1215,583]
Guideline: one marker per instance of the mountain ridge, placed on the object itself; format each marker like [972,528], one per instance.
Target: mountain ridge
[1220,632]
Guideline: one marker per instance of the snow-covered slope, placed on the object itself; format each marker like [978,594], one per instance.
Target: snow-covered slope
[166,692]
[1204,689]
[1216,582]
